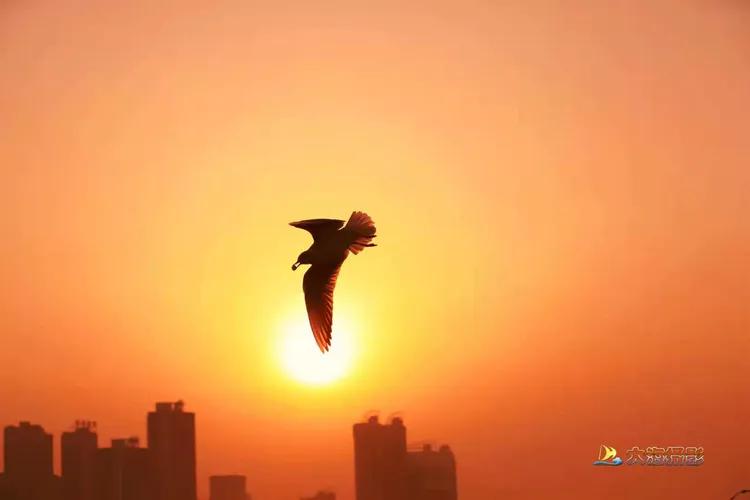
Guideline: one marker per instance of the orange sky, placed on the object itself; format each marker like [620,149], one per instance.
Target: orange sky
[561,194]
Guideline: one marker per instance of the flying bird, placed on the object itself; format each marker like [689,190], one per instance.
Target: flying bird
[332,242]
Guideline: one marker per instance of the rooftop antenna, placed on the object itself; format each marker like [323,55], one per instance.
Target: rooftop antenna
[370,414]
[396,415]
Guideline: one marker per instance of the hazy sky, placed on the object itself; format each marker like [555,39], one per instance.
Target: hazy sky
[561,193]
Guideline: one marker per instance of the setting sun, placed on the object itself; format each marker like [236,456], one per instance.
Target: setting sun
[302,360]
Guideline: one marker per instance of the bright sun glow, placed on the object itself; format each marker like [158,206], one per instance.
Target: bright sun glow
[303,361]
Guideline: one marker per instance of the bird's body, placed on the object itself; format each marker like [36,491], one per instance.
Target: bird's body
[332,242]
[331,250]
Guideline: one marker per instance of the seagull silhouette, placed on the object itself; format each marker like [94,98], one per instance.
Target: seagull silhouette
[332,242]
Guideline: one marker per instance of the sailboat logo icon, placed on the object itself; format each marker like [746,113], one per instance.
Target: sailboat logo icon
[608,456]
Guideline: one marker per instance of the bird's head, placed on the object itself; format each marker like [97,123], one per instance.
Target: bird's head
[302,259]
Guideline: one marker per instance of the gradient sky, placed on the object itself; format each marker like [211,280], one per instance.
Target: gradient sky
[561,191]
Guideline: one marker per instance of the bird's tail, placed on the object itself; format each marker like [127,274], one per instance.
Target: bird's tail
[362,228]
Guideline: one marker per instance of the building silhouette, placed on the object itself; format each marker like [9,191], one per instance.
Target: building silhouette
[431,474]
[171,443]
[122,472]
[321,495]
[380,460]
[78,457]
[232,487]
[27,451]
[385,470]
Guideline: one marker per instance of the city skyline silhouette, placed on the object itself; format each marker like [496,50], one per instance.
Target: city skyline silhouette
[165,469]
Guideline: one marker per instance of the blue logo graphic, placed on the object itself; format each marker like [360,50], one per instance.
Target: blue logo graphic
[608,456]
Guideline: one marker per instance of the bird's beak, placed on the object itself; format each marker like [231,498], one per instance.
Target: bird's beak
[295,266]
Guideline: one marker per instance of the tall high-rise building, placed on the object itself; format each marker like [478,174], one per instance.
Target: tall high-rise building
[27,451]
[231,487]
[385,470]
[171,443]
[380,460]
[122,472]
[432,474]
[78,450]
[322,495]
[28,464]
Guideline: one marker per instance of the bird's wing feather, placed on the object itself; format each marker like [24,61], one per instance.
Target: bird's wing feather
[319,227]
[318,284]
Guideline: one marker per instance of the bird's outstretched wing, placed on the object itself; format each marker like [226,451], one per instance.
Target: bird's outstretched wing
[318,284]
[319,227]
